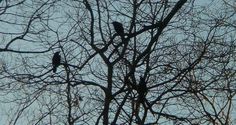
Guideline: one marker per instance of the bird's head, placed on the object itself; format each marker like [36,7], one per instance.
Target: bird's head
[142,80]
[116,23]
[57,52]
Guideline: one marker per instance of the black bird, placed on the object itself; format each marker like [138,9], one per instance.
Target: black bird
[142,89]
[119,29]
[142,85]
[56,61]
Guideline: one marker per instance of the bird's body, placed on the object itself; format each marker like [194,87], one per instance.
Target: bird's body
[56,61]
[119,28]
[142,89]
[142,85]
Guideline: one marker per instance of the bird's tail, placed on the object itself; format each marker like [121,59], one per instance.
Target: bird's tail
[54,69]
[124,37]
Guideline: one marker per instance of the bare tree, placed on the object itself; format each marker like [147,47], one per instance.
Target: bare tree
[172,63]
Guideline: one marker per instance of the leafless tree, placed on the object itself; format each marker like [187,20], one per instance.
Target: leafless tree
[174,63]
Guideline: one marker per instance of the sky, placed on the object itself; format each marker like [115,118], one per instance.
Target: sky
[4,108]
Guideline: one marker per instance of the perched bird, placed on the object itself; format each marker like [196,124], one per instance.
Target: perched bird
[142,89]
[142,85]
[119,29]
[56,61]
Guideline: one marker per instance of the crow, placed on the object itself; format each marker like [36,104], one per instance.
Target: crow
[142,89]
[56,61]
[119,29]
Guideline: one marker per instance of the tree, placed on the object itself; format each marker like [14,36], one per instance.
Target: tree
[183,51]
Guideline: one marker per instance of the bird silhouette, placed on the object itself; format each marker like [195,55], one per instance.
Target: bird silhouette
[56,61]
[142,89]
[119,28]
